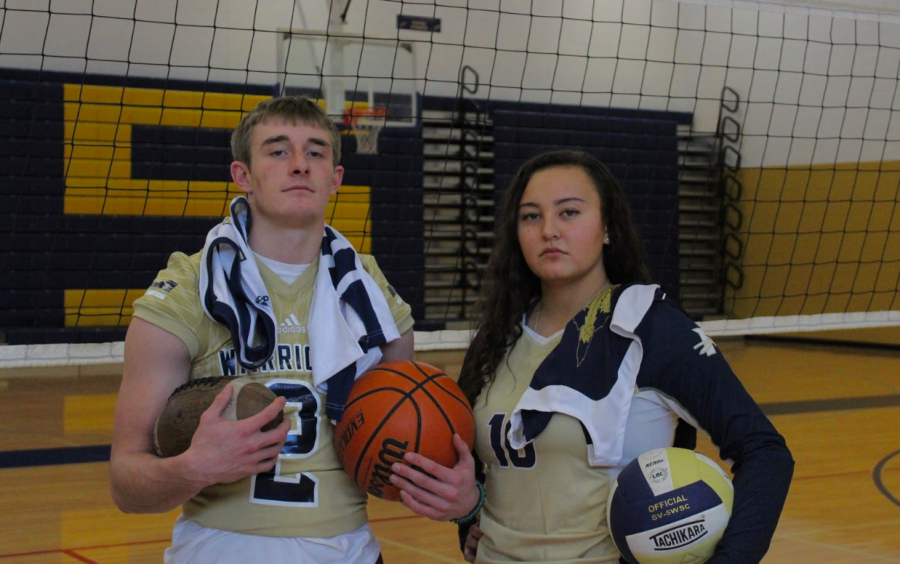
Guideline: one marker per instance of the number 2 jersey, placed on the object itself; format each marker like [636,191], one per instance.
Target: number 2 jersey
[546,503]
[307,494]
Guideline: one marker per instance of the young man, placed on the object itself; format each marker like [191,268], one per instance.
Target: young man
[248,495]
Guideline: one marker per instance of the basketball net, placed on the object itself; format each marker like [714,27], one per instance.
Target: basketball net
[367,124]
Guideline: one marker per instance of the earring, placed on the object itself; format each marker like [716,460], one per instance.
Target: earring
[606,239]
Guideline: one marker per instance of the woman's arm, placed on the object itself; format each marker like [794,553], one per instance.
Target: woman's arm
[683,364]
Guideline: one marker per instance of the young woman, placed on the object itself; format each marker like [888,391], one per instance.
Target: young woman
[579,366]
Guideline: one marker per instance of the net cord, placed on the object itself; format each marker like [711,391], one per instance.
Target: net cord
[87,354]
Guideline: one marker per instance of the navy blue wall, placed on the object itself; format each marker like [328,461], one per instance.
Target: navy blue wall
[640,148]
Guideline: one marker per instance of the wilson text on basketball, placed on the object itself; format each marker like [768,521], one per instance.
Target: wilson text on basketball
[391,451]
[357,420]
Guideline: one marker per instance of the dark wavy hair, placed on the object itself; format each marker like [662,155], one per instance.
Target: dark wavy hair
[509,287]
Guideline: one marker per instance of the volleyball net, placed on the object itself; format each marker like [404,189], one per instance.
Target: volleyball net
[758,144]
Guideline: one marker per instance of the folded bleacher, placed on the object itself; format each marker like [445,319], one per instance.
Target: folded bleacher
[640,148]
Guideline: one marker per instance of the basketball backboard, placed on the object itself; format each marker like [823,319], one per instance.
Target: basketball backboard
[345,70]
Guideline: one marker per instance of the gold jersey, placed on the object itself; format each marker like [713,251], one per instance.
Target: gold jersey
[544,503]
[307,494]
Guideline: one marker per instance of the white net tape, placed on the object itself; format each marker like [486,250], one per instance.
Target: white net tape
[93,354]
[24,356]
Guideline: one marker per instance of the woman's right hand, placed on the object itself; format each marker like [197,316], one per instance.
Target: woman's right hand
[435,491]
[471,547]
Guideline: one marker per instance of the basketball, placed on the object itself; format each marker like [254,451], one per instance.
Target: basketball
[669,506]
[395,408]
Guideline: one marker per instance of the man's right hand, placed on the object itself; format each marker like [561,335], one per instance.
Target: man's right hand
[157,362]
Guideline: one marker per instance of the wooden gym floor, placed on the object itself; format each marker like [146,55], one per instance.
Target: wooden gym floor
[838,407]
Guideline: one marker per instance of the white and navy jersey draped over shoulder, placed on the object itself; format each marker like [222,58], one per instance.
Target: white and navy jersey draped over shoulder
[546,502]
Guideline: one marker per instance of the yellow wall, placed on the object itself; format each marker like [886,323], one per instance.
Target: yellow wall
[98,149]
[824,239]
[98,178]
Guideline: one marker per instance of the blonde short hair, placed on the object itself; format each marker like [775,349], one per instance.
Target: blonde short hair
[288,108]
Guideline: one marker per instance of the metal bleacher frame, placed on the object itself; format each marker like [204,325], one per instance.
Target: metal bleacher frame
[459,203]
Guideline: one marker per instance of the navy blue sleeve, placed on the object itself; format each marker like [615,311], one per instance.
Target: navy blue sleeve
[681,362]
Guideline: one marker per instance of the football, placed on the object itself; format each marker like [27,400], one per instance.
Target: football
[180,417]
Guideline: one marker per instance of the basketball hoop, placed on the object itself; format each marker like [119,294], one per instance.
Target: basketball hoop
[366,124]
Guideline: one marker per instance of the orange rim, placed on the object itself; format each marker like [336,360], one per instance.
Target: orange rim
[352,114]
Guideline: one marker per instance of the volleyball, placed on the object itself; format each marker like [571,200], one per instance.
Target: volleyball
[669,506]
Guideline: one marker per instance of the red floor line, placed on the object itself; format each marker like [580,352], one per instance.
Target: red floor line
[35,553]
[404,517]
[68,550]
[79,557]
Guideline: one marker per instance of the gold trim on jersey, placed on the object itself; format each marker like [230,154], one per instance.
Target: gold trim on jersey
[601,303]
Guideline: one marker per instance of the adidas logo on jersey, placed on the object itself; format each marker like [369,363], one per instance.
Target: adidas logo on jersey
[291,325]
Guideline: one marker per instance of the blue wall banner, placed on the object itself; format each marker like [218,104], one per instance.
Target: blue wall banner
[418,23]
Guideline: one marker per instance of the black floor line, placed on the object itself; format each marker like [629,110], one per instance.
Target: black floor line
[839,404]
[53,456]
[100,453]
